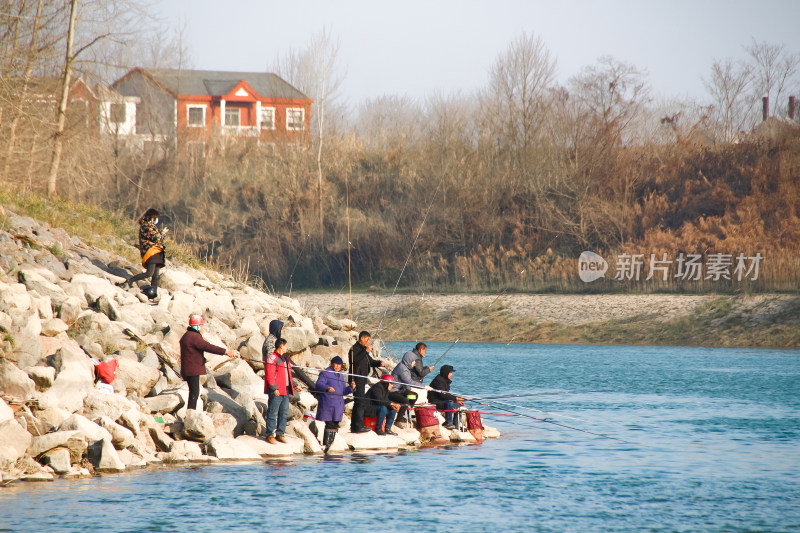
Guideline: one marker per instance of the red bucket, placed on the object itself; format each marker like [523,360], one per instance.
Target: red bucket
[426,416]
[474,420]
[370,421]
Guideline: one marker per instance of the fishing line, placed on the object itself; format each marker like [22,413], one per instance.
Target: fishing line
[413,245]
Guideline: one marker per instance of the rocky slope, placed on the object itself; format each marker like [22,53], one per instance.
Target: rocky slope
[61,313]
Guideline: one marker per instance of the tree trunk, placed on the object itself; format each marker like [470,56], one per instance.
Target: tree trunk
[62,107]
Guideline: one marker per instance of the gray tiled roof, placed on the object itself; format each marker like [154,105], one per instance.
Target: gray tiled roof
[218,83]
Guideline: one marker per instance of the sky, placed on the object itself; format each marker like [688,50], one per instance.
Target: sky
[418,48]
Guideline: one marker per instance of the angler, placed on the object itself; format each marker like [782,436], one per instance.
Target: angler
[330,402]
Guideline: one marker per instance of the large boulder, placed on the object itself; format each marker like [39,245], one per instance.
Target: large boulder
[106,458]
[371,441]
[14,440]
[53,327]
[293,446]
[94,287]
[14,382]
[298,339]
[310,442]
[229,449]
[175,280]
[97,404]
[14,296]
[91,431]
[74,379]
[198,426]
[34,281]
[133,376]
[239,377]
[74,441]
[121,437]
[42,376]
[166,402]
[6,413]
[224,424]
[70,309]
[58,459]
[108,307]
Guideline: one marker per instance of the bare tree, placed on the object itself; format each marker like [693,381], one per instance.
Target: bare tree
[775,70]
[316,72]
[615,93]
[515,100]
[729,87]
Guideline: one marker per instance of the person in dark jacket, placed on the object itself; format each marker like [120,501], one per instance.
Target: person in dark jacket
[442,399]
[193,360]
[278,385]
[275,330]
[330,400]
[151,247]
[381,405]
[360,364]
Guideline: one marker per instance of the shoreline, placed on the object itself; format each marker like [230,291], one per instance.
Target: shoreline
[756,321]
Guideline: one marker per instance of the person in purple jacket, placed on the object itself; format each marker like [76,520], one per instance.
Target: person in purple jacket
[331,389]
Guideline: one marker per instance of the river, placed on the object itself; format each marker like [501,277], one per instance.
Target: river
[613,439]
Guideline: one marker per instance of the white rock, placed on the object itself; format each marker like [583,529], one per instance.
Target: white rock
[166,402]
[53,327]
[224,424]
[74,379]
[130,459]
[75,441]
[43,305]
[14,440]
[14,382]
[92,431]
[14,296]
[181,306]
[27,324]
[176,280]
[70,309]
[109,460]
[293,445]
[121,437]
[226,448]
[371,441]
[298,339]
[94,287]
[5,412]
[197,425]
[239,377]
[301,430]
[5,321]
[58,459]
[137,377]
[96,405]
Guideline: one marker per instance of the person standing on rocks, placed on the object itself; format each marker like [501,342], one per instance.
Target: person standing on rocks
[278,385]
[442,399]
[193,360]
[330,403]
[360,364]
[275,330]
[381,405]
[151,246]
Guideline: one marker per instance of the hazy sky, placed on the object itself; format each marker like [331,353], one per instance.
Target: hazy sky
[416,47]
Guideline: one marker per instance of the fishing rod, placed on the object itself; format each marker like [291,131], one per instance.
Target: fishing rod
[548,421]
[445,352]
[502,397]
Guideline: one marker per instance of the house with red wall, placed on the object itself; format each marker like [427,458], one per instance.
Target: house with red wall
[192,106]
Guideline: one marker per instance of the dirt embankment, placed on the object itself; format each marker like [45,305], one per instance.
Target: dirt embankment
[710,320]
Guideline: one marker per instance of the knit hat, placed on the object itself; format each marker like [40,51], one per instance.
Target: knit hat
[337,361]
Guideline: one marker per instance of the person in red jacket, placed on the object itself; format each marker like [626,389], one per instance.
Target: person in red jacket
[278,385]
[193,360]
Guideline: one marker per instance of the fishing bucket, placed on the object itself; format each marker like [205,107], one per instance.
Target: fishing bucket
[426,416]
[370,421]
[107,370]
[474,420]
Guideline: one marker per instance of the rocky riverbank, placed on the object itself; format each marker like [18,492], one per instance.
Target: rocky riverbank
[61,313]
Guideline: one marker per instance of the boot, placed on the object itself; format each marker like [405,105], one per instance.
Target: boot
[328,438]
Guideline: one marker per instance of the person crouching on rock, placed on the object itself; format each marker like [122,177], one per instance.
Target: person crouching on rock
[193,359]
[278,385]
[151,246]
[381,406]
[442,399]
[332,388]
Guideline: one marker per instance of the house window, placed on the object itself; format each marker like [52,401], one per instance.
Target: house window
[196,116]
[232,116]
[295,119]
[267,118]
[117,113]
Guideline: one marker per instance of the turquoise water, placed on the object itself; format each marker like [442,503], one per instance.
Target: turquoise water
[709,440]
